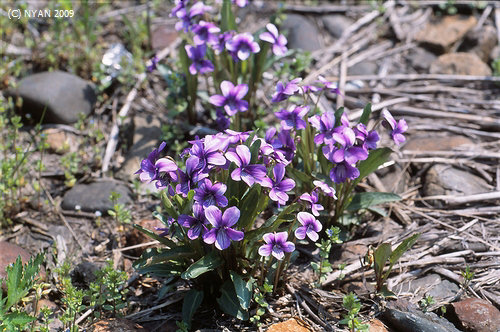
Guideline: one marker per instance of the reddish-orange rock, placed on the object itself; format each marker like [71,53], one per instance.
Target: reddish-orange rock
[116,325]
[376,326]
[291,325]
[10,252]
[477,315]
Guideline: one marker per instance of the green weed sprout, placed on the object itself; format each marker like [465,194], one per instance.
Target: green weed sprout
[351,303]
[119,212]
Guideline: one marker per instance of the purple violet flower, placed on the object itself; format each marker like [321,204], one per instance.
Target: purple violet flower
[310,227]
[236,136]
[283,92]
[222,38]
[398,128]
[240,3]
[246,172]
[242,45]
[276,244]
[324,124]
[231,98]
[179,5]
[329,86]
[369,138]
[278,41]
[148,170]
[350,154]
[221,234]
[312,199]
[188,178]
[197,224]
[208,153]
[186,16]
[222,121]
[166,230]
[343,171]
[152,64]
[285,145]
[279,186]
[199,64]
[325,188]
[205,33]
[208,194]
[293,117]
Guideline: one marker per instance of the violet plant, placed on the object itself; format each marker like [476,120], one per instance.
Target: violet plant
[228,62]
[236,205]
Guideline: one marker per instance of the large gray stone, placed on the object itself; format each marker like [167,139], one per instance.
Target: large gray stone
[63,95]
[147,131]
[447,180]
[336,24]
[95,196]
[301,33]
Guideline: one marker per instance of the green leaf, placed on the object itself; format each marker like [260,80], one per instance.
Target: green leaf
[367,199]
[243,290]
[400,250]
[365,116]
[159,255]
[229,303]
[168,206]
[228,21]
[20,279]
[18,319]
[207,263]
[380,256]
[248,206]
[162,269]
[153,235]
[192,301]
[254,150]
[376,158]
[338,116]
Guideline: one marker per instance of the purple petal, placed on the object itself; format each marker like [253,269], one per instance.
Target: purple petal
[234,157]
[234,234]
[312,235]
[166,165]
[240,90]
[236,174]
[300,233]
[244,153]
[216,158]
[247,178]
[278,253]
[279,172]
[268,237]
[389,118]
[281,237]
[186,221]
[304,218]
[288,247]
[231,216]
[286,185]
[265,250]
[210,236]
[267,37]
[226,87]
[217,100]
[214,216]
[222,242]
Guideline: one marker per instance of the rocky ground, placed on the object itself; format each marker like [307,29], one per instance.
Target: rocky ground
[415,59]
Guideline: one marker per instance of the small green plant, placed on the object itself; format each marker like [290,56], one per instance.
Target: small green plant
[325,246]
[384,253]
[119,212]
[72,298]
[71,164]
[259,297]
[20,280]
[108,292]
[496,67]
[351,303]
[448,7]
[468,275]
[426,302]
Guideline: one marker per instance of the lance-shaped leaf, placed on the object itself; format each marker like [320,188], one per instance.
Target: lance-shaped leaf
[207,263]
[368,199]
[192,301]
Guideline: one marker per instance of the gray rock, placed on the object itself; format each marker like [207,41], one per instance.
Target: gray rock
[420,285]
[147,131]
[336,24]
[444,291]
[446,180]
[480,42]
[420,59]
[64,96]
[301,33]
[363,68]
[406,317]
[95,196]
